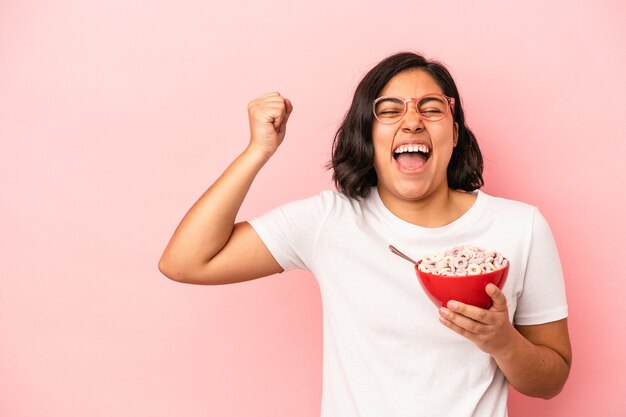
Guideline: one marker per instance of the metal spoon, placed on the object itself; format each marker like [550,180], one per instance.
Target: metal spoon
[400,254]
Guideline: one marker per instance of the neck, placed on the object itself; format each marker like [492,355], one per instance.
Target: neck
[433,210]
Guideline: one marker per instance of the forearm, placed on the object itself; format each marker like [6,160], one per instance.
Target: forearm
[533,370]
[534,358]
[207,226]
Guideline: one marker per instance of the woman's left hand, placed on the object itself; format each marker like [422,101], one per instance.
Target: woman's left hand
[490,330]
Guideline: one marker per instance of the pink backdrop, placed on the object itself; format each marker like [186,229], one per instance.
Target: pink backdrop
[116,115]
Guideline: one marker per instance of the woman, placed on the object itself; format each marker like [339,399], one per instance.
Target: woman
[408,171]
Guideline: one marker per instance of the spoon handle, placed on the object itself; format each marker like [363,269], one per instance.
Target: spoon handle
[400,254]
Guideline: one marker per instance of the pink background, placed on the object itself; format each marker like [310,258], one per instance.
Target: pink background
[115,116]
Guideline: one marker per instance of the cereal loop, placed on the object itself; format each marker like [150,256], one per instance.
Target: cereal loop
[462,261]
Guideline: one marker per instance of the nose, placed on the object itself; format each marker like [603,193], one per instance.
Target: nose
[412,121]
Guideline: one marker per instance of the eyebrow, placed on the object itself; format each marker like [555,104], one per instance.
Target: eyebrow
[433,98]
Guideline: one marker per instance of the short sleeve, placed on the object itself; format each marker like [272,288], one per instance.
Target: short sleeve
[543,297]
[290,231]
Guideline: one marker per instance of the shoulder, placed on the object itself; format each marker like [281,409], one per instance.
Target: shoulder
[328,205]
[324,200]
[319,205]
[333,199]
[508,208]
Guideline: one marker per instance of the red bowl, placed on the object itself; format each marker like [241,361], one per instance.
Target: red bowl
[469,289]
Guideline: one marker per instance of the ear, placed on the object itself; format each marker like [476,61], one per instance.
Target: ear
[456,134]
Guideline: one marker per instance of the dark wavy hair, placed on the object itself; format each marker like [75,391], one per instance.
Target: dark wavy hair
[353,152]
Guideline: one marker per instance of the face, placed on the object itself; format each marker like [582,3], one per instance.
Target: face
[411,156]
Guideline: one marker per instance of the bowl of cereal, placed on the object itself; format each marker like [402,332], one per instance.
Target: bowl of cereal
[460,274]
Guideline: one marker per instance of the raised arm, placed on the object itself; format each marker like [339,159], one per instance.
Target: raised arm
[208,247]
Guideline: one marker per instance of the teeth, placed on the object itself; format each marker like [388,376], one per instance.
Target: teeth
[412,148]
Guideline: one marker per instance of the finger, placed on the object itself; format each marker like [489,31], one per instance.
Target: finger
[270,110]
[261,105]
[288,110]
[498,297]
[267,95]
[460,320]
[289,106]
[475,313]
[265,101]
[285,111]
[276,102]
[279,118]
[455,327]
[269,113]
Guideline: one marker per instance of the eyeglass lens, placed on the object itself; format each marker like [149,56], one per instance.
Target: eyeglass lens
[392,109]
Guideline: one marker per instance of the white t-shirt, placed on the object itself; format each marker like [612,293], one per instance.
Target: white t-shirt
[385,352]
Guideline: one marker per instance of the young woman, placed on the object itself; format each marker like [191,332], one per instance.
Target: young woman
[407,169]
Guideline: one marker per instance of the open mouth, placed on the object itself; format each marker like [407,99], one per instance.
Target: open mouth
[411,157]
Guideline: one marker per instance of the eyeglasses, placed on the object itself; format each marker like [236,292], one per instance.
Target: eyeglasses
[431,107]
